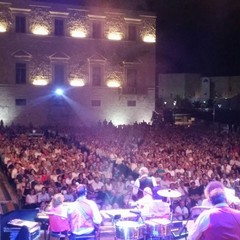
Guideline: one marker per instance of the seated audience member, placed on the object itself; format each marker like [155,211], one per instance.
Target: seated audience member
[58,216]
[181,211]
[68,194]
[220,222]
[84,215]
[31,200]
[194,193]
[36,184]
[43,198]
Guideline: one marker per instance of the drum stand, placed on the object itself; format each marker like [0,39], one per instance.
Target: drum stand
[182,231]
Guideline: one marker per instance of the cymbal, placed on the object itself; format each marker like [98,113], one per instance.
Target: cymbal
[201,208]
[169,193]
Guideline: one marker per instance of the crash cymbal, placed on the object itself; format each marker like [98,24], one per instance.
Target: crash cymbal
[201,208]
[169,193]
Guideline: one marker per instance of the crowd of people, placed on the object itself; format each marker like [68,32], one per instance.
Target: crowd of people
[44,162]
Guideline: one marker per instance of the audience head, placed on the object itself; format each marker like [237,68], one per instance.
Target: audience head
[81,190]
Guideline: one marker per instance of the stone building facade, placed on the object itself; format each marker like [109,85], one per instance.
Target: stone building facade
[196,87]
[103,59]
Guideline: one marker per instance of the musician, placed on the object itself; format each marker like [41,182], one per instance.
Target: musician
[150,207]
[58,215]
[84,215]
[220,222]
[142,182]
[144,204]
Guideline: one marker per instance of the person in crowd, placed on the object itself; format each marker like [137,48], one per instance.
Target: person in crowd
[194,193]
[68,194]
[84,215]
[58,216]
[220,222]
[43,198]
[31,200]
[142,182]
[181,211]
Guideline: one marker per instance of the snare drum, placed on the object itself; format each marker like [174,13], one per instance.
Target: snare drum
[129,230]
[158,227]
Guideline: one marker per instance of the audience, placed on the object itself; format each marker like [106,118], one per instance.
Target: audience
[107,159]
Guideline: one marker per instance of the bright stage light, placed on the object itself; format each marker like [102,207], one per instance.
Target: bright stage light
[3,28]
[149,38]
[59,91]
[40,30]
[115,36]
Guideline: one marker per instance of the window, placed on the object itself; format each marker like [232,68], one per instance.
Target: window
[131,77]
[132,33]
[96,75]
[21,73]
[59,73]
[20,102]
[20,24]
[59,27]
[96,103]
[131,103]
[96,30]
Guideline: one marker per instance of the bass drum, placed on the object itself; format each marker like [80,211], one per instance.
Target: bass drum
[158,227]
[129,230]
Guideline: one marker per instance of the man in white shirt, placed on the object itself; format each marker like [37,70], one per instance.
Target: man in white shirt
[142,182]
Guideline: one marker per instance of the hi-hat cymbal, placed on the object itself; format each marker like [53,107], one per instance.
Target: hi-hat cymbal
[169,193]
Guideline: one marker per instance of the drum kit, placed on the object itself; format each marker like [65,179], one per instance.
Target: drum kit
[149,229]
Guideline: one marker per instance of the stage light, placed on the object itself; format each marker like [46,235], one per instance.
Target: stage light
[3,27]
[149,38]
[115,36]
[40,30]
[59,91]
[40,82]
[113,83]
[78,33]
[77,82]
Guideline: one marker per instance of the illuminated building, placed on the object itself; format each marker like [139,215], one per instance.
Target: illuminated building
[103,59]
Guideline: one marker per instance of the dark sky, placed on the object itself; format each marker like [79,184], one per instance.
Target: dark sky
[199,36]
[195,36]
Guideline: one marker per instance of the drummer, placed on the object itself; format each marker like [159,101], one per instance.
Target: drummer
[145,203]
[149,207]
[142,182]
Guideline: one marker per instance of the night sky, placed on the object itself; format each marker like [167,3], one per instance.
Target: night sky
[198,36]
[194,36]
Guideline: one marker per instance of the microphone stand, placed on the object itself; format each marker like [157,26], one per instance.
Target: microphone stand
[140,214]
[184,227]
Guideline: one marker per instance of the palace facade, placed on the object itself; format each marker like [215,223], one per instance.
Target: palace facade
[102,59]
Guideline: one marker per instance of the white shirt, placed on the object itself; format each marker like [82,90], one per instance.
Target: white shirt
[183,211]
[31,199]
[97,185]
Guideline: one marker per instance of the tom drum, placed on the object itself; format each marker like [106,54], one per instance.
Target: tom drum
[158,227]
[129,230]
